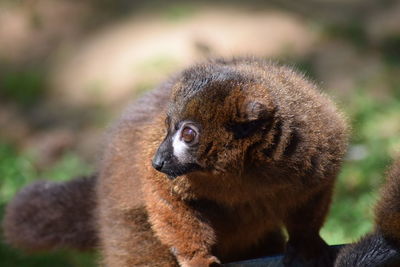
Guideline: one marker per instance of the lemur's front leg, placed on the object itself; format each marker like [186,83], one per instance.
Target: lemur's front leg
[187,232]
[303,223]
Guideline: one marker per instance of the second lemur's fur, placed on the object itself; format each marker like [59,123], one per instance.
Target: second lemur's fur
[387,212]
[382,247]
[222,157]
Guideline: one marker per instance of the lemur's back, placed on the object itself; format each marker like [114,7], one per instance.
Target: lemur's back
[119,187]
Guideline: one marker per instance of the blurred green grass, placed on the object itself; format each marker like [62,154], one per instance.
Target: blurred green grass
[23,86]
[375,140]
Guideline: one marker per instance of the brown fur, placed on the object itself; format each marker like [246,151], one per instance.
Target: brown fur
[49,215]
[387,211]
[382,247]
[248,188]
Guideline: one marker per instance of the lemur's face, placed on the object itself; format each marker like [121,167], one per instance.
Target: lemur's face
[212,128]
[177,154]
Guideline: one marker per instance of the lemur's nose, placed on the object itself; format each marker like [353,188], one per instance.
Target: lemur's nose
[158,162]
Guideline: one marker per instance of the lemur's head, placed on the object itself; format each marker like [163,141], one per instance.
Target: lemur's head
[217,114]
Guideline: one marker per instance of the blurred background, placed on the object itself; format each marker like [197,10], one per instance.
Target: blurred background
[68,68]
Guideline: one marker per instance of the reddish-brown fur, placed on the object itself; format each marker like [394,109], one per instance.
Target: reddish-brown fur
[282,175]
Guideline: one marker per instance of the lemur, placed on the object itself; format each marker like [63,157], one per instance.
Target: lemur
[222,157]
[382,246]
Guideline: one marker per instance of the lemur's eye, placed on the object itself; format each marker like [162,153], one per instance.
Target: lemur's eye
[188,135]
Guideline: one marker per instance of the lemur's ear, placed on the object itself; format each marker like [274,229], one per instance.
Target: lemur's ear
[254,116]
[256,111]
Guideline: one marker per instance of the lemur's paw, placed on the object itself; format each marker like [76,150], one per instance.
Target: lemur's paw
[200,261]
